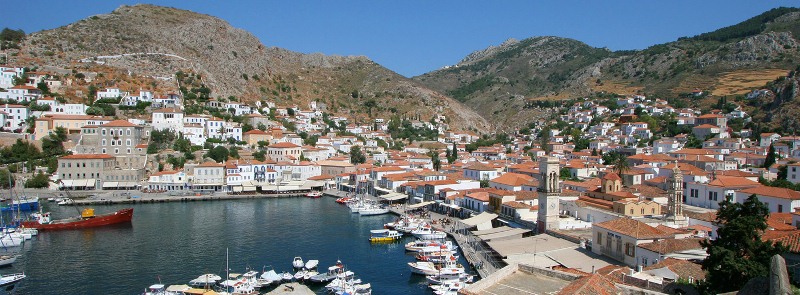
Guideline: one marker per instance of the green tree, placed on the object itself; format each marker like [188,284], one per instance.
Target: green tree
[182,144]
[770,157]
[738,254]
[437,164]
[6,179]
[618,160]
[218,153]
[357,156]
[40,180]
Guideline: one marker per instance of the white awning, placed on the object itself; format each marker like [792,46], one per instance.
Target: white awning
[78,182]
[480,219]
[110,184]
[393,196]
[237,189]
[380,189]
[420,205]
[248,188]
[128,184]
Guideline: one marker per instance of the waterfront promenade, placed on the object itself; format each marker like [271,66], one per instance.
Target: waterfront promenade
[84,198]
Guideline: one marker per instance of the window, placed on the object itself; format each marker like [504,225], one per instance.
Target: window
[128,142]
[128,132]
[630,249]
[103,131]
[116,151]
[631,211]
[780,208]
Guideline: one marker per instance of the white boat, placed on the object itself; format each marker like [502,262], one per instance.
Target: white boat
[268,278]
[298,262]
[238,284]
[309,274]
[300,274]
[426,232]
[177,289]
[205,280]
[286,277]
[448,288]
[156,289]
[6,280]
[384,235]
[430,268]
[7,240]
[312,264]
[439,279]
[7,259]
[373,211]
[66,201]
[427,246]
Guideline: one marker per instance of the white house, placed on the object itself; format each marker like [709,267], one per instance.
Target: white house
[479,171]
[111,93]
[708,195]
[171,119]
[15,116]
[777,199]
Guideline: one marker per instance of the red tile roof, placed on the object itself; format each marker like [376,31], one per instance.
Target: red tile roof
[632,228]
[119,123]
[683,268]
[284,145]
[667,246]
[790,239]
[775,192]
[594,284]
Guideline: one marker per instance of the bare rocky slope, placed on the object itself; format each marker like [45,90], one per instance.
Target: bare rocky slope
[500,81]
[157,42]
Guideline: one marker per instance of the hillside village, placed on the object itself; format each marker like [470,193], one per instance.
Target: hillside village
[604,172]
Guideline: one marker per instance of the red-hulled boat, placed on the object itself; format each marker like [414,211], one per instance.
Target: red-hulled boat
[87,219]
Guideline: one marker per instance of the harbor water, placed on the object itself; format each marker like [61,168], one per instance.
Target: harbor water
[173,243]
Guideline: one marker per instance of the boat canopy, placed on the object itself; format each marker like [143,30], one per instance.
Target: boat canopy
[420,205]
[393,196]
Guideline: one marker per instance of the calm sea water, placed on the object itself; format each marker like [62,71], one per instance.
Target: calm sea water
[176,242]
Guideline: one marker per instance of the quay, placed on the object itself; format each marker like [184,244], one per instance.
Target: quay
[291,289]
[471,246]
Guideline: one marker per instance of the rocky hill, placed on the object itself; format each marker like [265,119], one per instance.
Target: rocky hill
[157,42]
[499,81]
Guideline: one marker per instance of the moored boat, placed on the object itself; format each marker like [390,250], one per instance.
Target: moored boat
[373,210]
[7,259]
[87,219]
[22,204]
[311,264]
[298,262]
[384,235]
[314,195]
[6,280]
[205,280]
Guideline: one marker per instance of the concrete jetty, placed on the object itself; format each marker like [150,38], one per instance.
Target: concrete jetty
[291,288]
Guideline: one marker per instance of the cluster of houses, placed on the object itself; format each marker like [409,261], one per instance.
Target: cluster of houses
[655,211]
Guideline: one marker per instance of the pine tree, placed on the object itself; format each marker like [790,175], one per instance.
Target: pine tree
[738,254]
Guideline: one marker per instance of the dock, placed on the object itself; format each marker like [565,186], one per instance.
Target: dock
[477,256]
[291,289]
[144,198]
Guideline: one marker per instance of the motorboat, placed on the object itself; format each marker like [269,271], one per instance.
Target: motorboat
[343,200]
[7,260]
[269,277]
[314,195]
[373,210]
[426,232]
[384,235]
[86,219]
[286,277]
[448,288]
[361,289]
[309,274]
[240,284]
[8,240]
[156,289]
[11,279]
[340,284]
[429,246]
[300,274]
[311,264]
[408,225]
[177,289]
[430,268]
[333,271]
[205,280]
[439,279]
[435,257]
[298,262]
[65,201]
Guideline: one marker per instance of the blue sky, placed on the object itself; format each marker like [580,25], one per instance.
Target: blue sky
[412,37]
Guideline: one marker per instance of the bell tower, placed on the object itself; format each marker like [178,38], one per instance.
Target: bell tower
[549,190]
[674,214]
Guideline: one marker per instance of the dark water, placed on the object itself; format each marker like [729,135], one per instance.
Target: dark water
[176,242]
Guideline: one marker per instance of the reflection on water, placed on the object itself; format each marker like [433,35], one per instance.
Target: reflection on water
[176,242]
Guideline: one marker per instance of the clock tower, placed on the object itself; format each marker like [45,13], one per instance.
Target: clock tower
[549,190]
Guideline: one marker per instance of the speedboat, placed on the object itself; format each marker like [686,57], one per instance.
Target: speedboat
[384,235]
[311,264]
[298,262]
[238,284]
[309,274]
[286,277]
[177,289]
[268,278]
[343,200]
[205,280]
[156,289]
[6,280]
[7,259]
[435,257]
[426,232]
[428,246]
[300,274]
[448,288]
[330,275]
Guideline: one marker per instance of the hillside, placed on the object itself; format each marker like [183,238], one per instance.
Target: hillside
[499,80]
[144,46]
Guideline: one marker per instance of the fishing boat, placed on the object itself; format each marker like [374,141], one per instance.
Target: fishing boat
[205,280]
[430,268]
[11,279]
[22,204]
[314,195]
[87,218]
[439,279]
[384,235]
[298,262]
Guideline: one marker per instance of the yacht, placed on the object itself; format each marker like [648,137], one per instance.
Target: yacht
[426,232]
